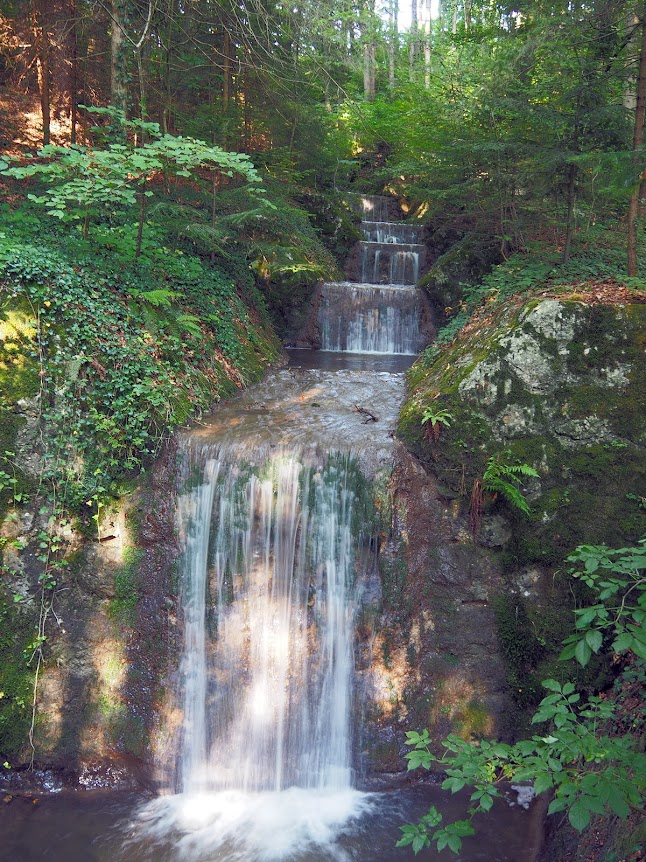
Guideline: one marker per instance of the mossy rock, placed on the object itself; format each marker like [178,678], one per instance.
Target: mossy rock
[17,633]
[560,386]
[464,263]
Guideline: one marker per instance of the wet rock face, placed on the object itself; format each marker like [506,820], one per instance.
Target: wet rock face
[108,639]
[434,657]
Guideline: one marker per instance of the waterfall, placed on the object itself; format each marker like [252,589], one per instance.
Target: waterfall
[276,540]
[268,600]
[379,310]
[276,528]
[389,263]
[370,319]
[390,232]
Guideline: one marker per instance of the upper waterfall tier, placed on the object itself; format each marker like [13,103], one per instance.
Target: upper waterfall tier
[390,232]
[391,263]
[369,318]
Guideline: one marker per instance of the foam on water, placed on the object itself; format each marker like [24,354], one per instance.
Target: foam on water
[233,826]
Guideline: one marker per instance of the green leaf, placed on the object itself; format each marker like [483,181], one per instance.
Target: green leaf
[551,685]
[582,653]
[594,639]
[618,804]
[579,816]
[542,783]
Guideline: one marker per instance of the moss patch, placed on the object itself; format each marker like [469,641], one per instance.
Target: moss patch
[17,632]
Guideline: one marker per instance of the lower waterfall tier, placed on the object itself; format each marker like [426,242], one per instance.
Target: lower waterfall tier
[368,318]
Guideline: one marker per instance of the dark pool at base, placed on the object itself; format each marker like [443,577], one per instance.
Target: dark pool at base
[331,361]
[86,827]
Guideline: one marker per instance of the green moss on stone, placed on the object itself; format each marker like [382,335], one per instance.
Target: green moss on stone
[123,605]
[17,632]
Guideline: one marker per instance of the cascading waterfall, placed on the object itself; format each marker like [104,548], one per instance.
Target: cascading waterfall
[381,313]
[269,578]
[390,232]
[276,538]
[275,543]
[370,319]
[389,263]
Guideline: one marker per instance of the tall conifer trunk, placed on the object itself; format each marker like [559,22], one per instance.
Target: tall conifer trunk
[118,92]
[638,138]
[41,34]
[74,70]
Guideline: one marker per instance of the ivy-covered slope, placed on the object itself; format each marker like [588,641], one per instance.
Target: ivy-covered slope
[101,358]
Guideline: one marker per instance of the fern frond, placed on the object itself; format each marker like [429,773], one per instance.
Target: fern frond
[189,322]
[160,298]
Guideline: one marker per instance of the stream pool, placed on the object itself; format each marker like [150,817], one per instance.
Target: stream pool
[286,827]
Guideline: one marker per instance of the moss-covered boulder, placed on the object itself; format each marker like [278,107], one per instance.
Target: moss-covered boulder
[556,384]
[463,263]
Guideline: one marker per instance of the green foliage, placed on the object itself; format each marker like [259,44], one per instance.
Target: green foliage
[618,578]
[124,358]
[16,675]
[506,479]
[85,180]
[586,767]
[437,416]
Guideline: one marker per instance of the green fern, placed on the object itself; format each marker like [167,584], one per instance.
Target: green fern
[159,298]
[506,480]
[190,323]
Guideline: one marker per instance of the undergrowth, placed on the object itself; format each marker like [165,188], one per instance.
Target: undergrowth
[599,257]
[126,350]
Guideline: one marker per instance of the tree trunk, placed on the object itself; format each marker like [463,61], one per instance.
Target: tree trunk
[166,113]
[246,105]
[226,81]
[569,221]
[369,72]
[412,48]
[467,13]
[142,217]
[638,138]
[392,45]
[118,89]
[42,37]
[74,70]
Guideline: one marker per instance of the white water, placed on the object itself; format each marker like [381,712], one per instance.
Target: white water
[390,232]
[368,318]
[389,263]
[272,555]
[270,562]
[276,546]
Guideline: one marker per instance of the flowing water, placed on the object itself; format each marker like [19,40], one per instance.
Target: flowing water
[276,522]
[368,318]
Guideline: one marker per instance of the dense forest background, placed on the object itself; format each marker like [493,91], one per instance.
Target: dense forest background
[520,122]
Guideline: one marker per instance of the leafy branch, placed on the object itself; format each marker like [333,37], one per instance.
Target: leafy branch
[586,768]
